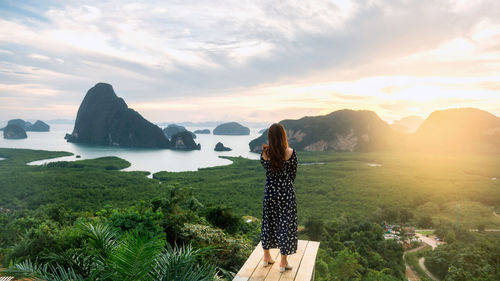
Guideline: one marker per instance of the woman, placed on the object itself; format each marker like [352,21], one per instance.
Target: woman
[279,219]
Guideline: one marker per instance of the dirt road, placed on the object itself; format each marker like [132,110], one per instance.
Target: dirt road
[421,261]
[410,274]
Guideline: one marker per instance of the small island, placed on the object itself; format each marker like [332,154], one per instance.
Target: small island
[21,123]
[173,129]
[231,129]
[220,147]
[204,131]
[184,141]
[12,131]
[39,126]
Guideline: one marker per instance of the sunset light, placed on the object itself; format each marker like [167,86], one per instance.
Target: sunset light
[216,140]
[246,59]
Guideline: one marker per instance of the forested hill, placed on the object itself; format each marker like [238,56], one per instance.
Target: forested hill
[462,129]
[343,130]
[459,130]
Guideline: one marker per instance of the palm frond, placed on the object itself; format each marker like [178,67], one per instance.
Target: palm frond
[43,272]
[101,238]
[26,269]
[135,257]
[59,273]
[76,259]
[183,264]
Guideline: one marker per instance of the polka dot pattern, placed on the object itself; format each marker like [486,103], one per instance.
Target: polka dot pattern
[279,219]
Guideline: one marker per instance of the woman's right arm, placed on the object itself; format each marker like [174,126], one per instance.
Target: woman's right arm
[264,152]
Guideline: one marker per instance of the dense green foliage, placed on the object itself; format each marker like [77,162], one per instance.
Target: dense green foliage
[427,186]
[412,259]
[111,256]
[41,206]
[353,249]
[72,184]
[31,231]
[470,256]
[175,220]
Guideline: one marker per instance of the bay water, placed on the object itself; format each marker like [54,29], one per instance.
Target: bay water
[141,159]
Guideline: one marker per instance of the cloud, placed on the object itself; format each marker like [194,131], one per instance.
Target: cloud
[38,57]
[156,52]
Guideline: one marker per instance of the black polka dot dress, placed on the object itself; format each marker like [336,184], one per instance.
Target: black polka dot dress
[279,218]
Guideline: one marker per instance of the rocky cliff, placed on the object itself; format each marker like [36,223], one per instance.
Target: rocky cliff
[39,126]
[343,130]
[12,131]
[220,147]
[105,119]
[184,141]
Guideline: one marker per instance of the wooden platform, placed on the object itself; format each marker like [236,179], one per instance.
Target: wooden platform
[303,265]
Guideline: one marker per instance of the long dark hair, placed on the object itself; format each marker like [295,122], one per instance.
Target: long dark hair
[276,138]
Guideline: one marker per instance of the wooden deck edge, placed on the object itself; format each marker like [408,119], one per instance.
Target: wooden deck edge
[304,263]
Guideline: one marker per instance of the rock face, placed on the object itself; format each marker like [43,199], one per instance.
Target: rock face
[20,122]
[204,131]
[256,144]
[343,130]
[105,119]
[460,129]
[231,128]
[220,147]
[173,129]
[184,141]
[39,126]
[262,130]
[12,131]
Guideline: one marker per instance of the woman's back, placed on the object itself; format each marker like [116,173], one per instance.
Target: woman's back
[287,171]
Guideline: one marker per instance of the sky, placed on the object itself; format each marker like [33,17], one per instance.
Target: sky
[255,61]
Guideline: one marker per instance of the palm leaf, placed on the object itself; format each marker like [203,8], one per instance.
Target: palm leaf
[43,272]
[135,257]
[101,239]
[182,264]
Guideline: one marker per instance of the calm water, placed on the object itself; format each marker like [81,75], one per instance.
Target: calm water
[152,160]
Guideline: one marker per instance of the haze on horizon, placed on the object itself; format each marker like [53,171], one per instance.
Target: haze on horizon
[250,60]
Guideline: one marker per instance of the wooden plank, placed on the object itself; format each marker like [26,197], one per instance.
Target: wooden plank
[296,261]
[274,272]
[252,262]
[306,270]
[261,272]
[275,275]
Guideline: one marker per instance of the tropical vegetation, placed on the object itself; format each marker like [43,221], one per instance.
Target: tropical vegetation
[48,212]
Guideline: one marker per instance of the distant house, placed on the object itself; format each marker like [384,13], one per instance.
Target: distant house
[409,231]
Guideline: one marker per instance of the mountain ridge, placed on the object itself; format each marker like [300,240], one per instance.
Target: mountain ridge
[466,129]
